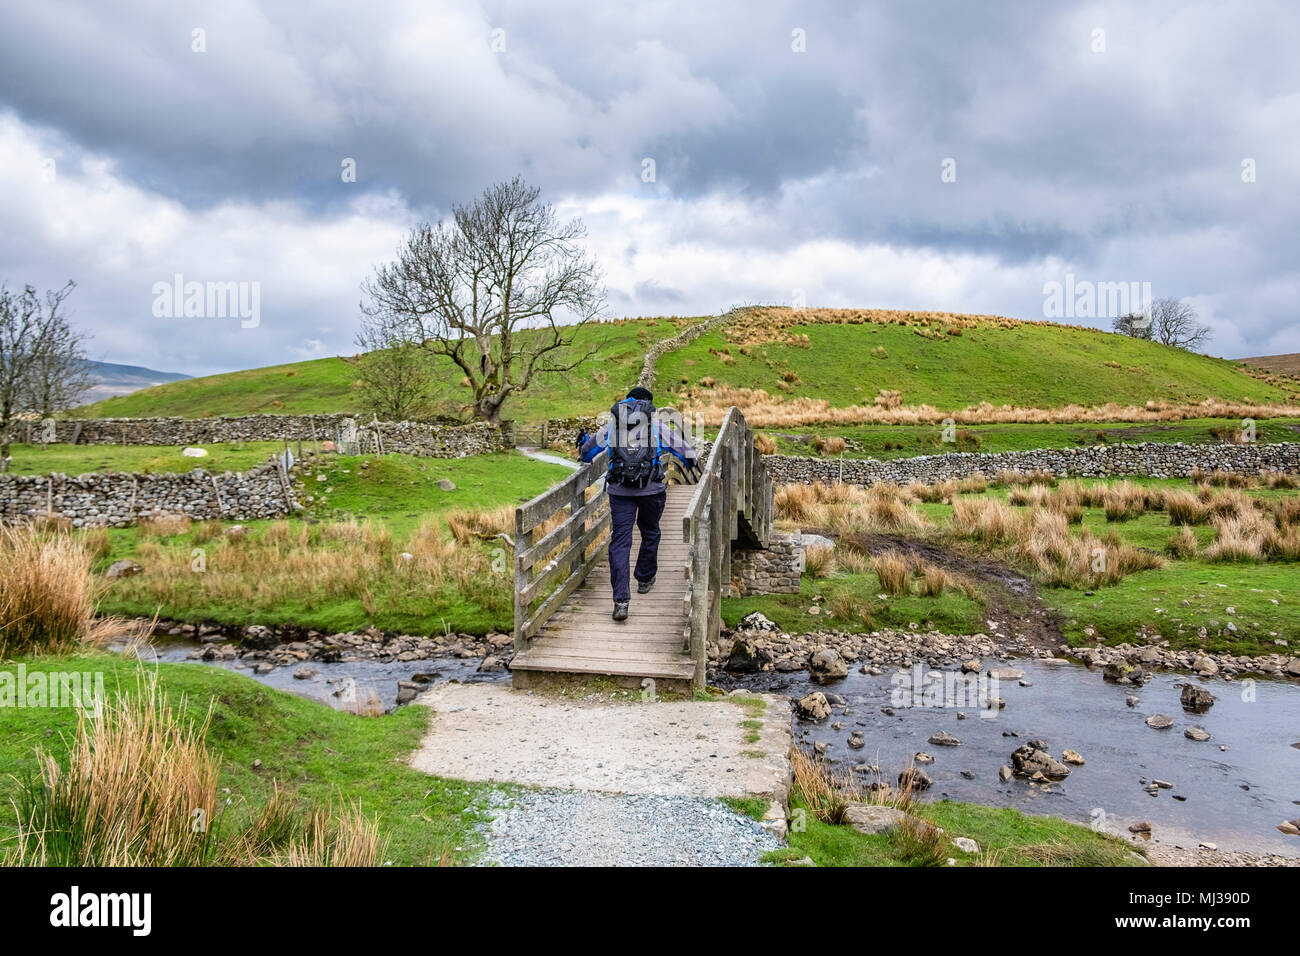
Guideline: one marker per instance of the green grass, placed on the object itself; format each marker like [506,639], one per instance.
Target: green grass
[1028,365]
[324,386]
[906,441]
[143,459]
[1120,613]
[401,490]
[1006,837]
[321,754]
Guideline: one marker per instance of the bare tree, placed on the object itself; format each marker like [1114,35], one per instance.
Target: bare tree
[31,327]
[490,290]
[1169,322]
[60,371]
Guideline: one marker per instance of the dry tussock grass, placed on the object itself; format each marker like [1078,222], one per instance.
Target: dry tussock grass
[844,508]
[1041,537]
[323,563]
[710,401]
[134,778]
[48,594]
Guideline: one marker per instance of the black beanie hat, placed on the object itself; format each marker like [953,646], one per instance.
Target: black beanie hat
[641,394]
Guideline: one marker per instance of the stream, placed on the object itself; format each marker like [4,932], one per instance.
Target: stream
[1232,790]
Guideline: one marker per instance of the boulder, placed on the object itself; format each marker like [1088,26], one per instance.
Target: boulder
[966,844]
[1205,666]
[1195,699]
[944,739]
[826,665]
[743,658]
[259,637]
[755,621]
[814,706]
[1006,673]
[1196,733]
[123,569]
[407,691]
[1073,757]
[1029,760]
[872,819]
[1159,722]
[446,484]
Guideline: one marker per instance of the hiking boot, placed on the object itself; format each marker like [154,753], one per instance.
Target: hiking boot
[643,587]
[620,610]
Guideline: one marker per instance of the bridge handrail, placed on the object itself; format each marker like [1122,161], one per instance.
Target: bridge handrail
[733,485]
[539,571]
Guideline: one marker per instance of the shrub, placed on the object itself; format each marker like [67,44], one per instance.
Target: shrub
[764,445]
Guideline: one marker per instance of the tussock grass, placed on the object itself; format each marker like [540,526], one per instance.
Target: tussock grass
[893,572]
[137,779]
[818,561]
[1183,544]
[846,508]
[1041,537]
[48,594]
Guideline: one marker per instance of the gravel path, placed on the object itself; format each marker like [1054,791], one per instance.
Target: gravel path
[490,732]
[577,828]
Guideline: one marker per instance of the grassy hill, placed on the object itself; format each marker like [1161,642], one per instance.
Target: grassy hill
[841,357]
[328,385]
[951,362]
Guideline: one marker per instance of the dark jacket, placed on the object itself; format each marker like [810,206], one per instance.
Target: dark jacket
[672,442]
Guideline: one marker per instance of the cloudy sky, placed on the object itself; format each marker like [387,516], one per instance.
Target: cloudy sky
[924,155]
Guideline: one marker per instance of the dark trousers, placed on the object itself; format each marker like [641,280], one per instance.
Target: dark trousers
[644,511]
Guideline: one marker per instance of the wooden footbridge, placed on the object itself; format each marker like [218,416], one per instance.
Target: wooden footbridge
[563,628]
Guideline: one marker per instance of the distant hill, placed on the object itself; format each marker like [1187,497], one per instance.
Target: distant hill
[112,380]
[1277,364]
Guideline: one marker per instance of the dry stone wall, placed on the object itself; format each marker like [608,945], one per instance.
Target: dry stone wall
[428,439]
[116,500]
[1149,459]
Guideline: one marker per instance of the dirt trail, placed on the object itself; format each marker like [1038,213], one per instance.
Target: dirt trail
[1012,600]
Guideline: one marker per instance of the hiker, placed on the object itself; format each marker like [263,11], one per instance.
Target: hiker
[636,441]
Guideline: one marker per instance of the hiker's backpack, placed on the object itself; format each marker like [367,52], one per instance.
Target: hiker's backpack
[634,447]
